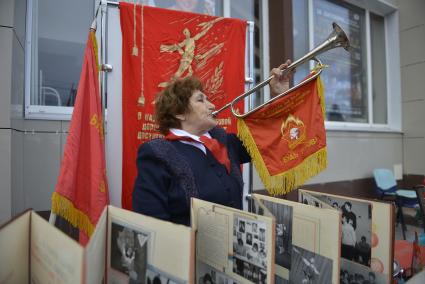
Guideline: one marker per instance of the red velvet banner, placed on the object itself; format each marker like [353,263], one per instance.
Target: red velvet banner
[159,45]
[81,191]
[287,139]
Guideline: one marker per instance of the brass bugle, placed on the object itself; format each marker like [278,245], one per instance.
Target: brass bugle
[337,38]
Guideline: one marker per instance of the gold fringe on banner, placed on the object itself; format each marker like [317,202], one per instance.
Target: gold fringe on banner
[95,49]
[285,182]
[321,94]
[65,208]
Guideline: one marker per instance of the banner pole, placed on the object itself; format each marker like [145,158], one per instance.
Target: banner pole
[250,103]
[104,69]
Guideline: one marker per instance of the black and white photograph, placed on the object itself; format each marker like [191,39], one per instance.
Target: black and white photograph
[310,200]
[249,238]
[256,207]
[155,276]
[352,272]
[206,274]
[129,251]
[262,234]
[254,228]
[283,247]
[242,226]
[308,267]
[356,219]
[249,249]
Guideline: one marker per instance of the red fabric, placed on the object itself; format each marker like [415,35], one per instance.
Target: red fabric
[403,253]
[152,55]
[218,150]
[82,178]
[289,129]
[83,239]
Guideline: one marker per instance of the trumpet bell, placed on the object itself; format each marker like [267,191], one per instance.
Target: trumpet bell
[338,38]
[342,38]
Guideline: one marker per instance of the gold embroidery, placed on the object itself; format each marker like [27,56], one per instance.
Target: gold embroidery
[214,83]
[149,117]
[186,48]
[148,135]
[98,124]
[289,157]
[102,186]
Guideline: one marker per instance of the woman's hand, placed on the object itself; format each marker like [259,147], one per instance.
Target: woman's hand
[280,82]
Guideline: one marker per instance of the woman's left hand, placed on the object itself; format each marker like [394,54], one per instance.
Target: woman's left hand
[280,81]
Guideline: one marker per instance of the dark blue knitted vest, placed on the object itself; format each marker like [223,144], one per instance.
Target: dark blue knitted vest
[179,167]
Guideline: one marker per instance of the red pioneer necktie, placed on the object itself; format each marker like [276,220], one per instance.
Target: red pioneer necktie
[218,150]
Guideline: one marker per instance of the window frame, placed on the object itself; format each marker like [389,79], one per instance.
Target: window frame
[393,84]
[33,111]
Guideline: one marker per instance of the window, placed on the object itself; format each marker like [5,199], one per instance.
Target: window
[253,11]
[209,7]
[356,82]
[55,48]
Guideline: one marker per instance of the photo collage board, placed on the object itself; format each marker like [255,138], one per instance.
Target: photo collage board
[366,243]
[304,240]
[232,246]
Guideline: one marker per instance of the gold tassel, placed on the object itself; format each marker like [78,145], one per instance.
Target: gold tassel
[65,208]
[321,94]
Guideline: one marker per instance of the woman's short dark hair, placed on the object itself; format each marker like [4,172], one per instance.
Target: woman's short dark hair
[174,100]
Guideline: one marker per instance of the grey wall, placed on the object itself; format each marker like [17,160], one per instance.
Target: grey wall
[12,34]
[30,150]
[354,155]
[412,58]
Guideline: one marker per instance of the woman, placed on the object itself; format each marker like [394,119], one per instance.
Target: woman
[195,159]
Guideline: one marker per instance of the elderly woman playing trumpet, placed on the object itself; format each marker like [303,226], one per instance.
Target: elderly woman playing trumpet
[196,158]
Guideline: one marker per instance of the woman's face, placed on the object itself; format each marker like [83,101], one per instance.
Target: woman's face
[199,118]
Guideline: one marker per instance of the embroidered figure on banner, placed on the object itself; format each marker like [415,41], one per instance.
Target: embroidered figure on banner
[187,49]
[293,131]
[213,84]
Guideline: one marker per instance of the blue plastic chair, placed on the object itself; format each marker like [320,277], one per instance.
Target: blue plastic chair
[386,186]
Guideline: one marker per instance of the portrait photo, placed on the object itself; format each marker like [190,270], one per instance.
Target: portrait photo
[356,227]
[242,226]
[283,245]
[129,252]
